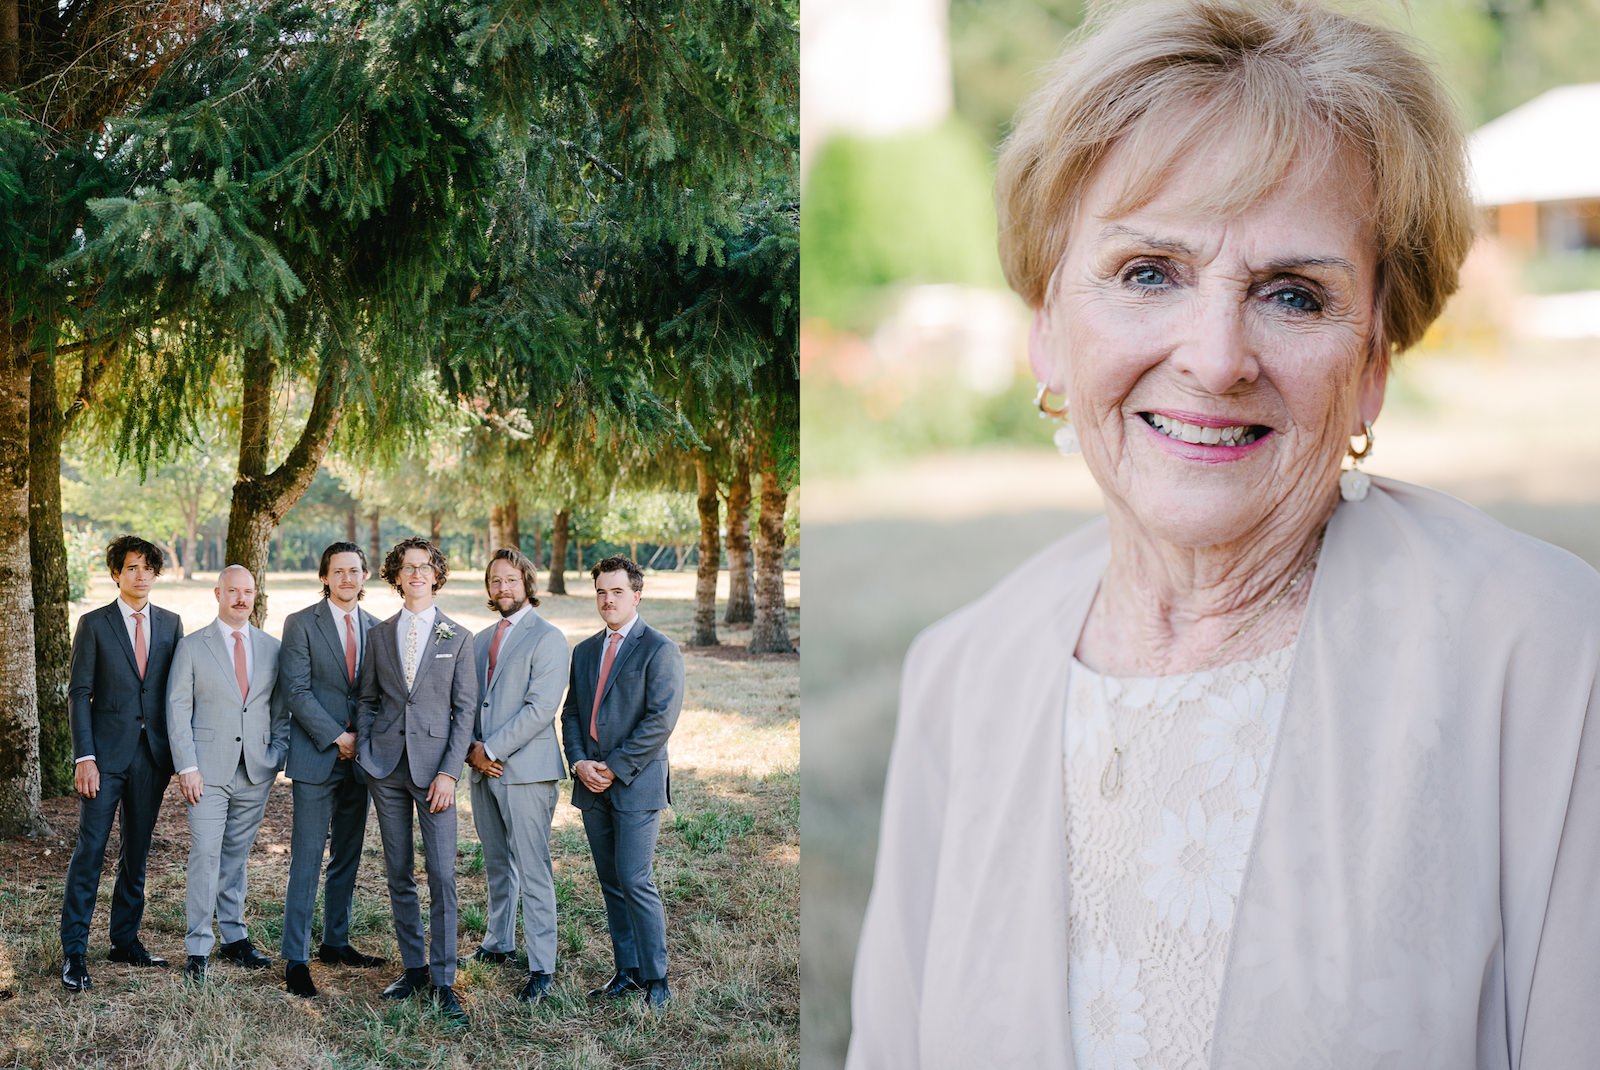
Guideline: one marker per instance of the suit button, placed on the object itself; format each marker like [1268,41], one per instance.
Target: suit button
[236,739]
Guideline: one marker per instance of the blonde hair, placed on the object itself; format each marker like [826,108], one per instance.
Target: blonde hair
[1290,80]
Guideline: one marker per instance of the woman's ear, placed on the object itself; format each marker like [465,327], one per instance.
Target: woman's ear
[1369,401]
[1044,352]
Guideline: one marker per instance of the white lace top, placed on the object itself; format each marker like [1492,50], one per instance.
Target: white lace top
[1154,870]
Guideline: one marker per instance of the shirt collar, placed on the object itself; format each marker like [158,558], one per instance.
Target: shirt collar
[625,629]
[520,615]
[425,618]
[128,611]
[227,630]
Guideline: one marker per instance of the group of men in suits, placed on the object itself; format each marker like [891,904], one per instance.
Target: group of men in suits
[356,710]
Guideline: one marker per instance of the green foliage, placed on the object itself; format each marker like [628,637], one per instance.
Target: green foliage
[710,831]
[998,52]
[658,517]
[913,208]
[1566,271]
[85,553]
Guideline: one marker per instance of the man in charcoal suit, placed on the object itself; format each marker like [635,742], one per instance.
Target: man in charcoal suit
[319,669]
[516,767]
[229,733]
[622,702]
[413,725]
[117,700]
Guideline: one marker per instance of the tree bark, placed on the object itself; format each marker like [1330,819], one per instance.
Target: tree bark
[19,696]
[513,526]
[374,541]
[741,560]
[558,552]
[703,632]
[497,527]
[769,632]
[350,528]
[260,498]
[538,547]
[435,526]
[47,544]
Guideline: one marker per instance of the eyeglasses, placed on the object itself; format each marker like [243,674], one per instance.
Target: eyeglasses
[416,570]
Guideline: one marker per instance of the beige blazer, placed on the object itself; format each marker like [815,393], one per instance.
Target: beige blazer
[1421,892]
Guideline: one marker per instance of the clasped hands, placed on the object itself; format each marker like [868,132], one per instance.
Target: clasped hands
[478,758]
[596,776]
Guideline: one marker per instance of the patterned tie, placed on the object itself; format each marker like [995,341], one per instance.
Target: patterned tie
[240,673]
[600,685]
[350,646]
[494,648]
[140,655]
[411,654]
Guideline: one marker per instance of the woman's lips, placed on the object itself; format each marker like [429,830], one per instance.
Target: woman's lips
[1205,438]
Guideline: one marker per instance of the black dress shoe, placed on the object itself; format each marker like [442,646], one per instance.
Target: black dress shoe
[408,984]
[135,955]
[537,988]
[656,994]
[622,982]
[297,979]
[195,969]
[244,953]
[497,958]
[444,997]
[75,974]
[348,956]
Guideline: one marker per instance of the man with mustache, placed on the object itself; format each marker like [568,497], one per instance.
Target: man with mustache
[117,701]
[319,669]
[229,732]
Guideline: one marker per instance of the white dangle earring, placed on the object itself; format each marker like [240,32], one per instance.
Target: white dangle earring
[1353,482]
[1066,435]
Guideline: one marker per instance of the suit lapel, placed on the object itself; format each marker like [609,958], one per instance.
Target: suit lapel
[635,637]
[120,628]
[219,649]
[258,657]
[519,635]
[328,624]
[426,651]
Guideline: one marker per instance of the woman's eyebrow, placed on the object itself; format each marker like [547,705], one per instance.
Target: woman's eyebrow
[1166,245]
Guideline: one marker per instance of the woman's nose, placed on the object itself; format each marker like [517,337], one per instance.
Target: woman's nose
[1215,346]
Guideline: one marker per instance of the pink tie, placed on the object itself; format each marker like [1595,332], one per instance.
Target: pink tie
[494,648]
[139,653]
[239,671]
[600,685]
[350,647]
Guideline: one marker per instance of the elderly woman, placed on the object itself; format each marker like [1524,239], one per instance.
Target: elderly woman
[1273,767]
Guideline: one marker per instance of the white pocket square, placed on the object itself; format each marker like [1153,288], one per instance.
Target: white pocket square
[444,655]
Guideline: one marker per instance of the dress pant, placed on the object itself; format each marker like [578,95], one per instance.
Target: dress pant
[332,814]
[222,829]
[624,845]
[395,801]
[136,792]
[513,822]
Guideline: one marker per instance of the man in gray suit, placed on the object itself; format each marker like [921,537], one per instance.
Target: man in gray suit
[229,732]
[320,676]
[516,766]
[413,726]
[622,702]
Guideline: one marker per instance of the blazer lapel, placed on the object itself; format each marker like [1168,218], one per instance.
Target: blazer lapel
[219,649]
[426,645]
[519,636]
[326,621]
[120,628]
[635,637]
[258,657]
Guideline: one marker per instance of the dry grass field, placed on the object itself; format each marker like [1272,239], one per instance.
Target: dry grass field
[727,865]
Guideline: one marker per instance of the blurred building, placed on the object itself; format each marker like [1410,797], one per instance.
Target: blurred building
[1537,170]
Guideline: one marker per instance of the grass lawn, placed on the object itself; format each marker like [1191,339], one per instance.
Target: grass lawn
[728,866]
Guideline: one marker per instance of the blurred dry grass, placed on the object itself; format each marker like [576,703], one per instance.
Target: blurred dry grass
[727,866]
[894,549]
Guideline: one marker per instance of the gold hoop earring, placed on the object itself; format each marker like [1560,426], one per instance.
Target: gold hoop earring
[1353,482]
[1041,400]
[1366,444]
[1066,436]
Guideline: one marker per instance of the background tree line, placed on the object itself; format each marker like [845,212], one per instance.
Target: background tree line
[470,266]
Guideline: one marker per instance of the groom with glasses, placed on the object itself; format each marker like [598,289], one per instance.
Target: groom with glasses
[413,725]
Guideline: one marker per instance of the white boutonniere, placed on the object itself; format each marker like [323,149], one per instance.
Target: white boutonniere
[443,631]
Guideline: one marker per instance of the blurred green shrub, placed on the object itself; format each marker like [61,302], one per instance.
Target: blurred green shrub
[1562,272]
[912,208]
[84,552]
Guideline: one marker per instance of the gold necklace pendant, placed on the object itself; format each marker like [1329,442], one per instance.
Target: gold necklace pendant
[1111,775]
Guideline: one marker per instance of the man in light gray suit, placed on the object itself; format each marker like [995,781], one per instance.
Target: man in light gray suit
[319,672]
[229,732]
[413,725]
[622,703]
[516,765]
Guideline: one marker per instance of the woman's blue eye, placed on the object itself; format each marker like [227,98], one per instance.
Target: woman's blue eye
[1146,275]
[1297,299]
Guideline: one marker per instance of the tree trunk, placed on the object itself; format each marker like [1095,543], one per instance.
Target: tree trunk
[769,633]
[558,552]
[538,547]
[497,527]
[350,527]
[703,631]
[260,498]
[577,552]
[19,696]
[513,526]
[741,561]
[435,526]
[633,550]
[47,544]
[374,541]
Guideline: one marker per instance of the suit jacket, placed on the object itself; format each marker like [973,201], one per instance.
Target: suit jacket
[107,702]
[321,699]
[517,709]
[638,710]
[208,726]
[1420,889]
[432,721]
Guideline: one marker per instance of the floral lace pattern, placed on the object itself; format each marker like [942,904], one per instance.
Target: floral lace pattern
[1155,870]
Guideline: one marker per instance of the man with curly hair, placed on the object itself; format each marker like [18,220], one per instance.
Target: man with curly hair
[413,725]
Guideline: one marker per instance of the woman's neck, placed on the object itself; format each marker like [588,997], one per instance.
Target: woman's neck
[1164,608]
